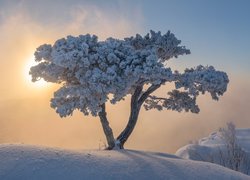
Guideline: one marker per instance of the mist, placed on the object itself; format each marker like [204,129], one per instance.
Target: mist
[32,121]
[25,113]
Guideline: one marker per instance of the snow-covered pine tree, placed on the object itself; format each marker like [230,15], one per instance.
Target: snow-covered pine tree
[93,73]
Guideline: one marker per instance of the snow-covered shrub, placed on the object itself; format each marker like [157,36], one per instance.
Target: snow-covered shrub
[228,147]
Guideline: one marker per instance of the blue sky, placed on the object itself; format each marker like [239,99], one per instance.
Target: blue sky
[216,31]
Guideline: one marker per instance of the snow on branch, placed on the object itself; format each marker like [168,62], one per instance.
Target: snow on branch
[193,81]
[90,70]
[177,101]
[166,46]
[202,79]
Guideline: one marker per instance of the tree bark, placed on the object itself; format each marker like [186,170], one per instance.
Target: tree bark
[134,112]
[137,100]
[106,128]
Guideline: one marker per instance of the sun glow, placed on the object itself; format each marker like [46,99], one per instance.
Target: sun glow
[27,77]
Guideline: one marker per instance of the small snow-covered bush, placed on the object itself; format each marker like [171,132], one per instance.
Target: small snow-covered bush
[228,147]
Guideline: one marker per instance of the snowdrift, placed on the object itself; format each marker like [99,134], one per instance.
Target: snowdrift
[214,149]
[39,163]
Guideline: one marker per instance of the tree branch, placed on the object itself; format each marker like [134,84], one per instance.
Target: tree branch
[157,98]
[145,95]
[136,95]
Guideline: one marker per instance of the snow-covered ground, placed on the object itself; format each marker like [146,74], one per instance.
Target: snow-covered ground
[18,162]
[215,149]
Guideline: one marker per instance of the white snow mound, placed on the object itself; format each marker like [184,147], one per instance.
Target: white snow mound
[216,150]
[19,162]
[211,144]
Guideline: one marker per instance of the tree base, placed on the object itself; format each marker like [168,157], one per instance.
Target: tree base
[117,146]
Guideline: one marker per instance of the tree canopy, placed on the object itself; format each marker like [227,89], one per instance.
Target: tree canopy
[94,72]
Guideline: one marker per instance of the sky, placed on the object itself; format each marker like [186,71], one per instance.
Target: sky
[216,32]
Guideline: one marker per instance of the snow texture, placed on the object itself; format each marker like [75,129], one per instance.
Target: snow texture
[39,163]
[93,72]
[215,149]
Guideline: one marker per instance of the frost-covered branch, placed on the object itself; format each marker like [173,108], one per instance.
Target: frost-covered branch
[166,46]
[202,79]
[194,80]
[92,70]
[177,101]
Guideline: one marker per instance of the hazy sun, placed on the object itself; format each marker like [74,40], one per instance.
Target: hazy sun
[38,84]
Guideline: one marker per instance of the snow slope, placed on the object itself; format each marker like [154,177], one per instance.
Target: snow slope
[39,163]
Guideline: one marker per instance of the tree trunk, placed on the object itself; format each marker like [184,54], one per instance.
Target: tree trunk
[106,128]
[134,112]
[122,138]
[137,100]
